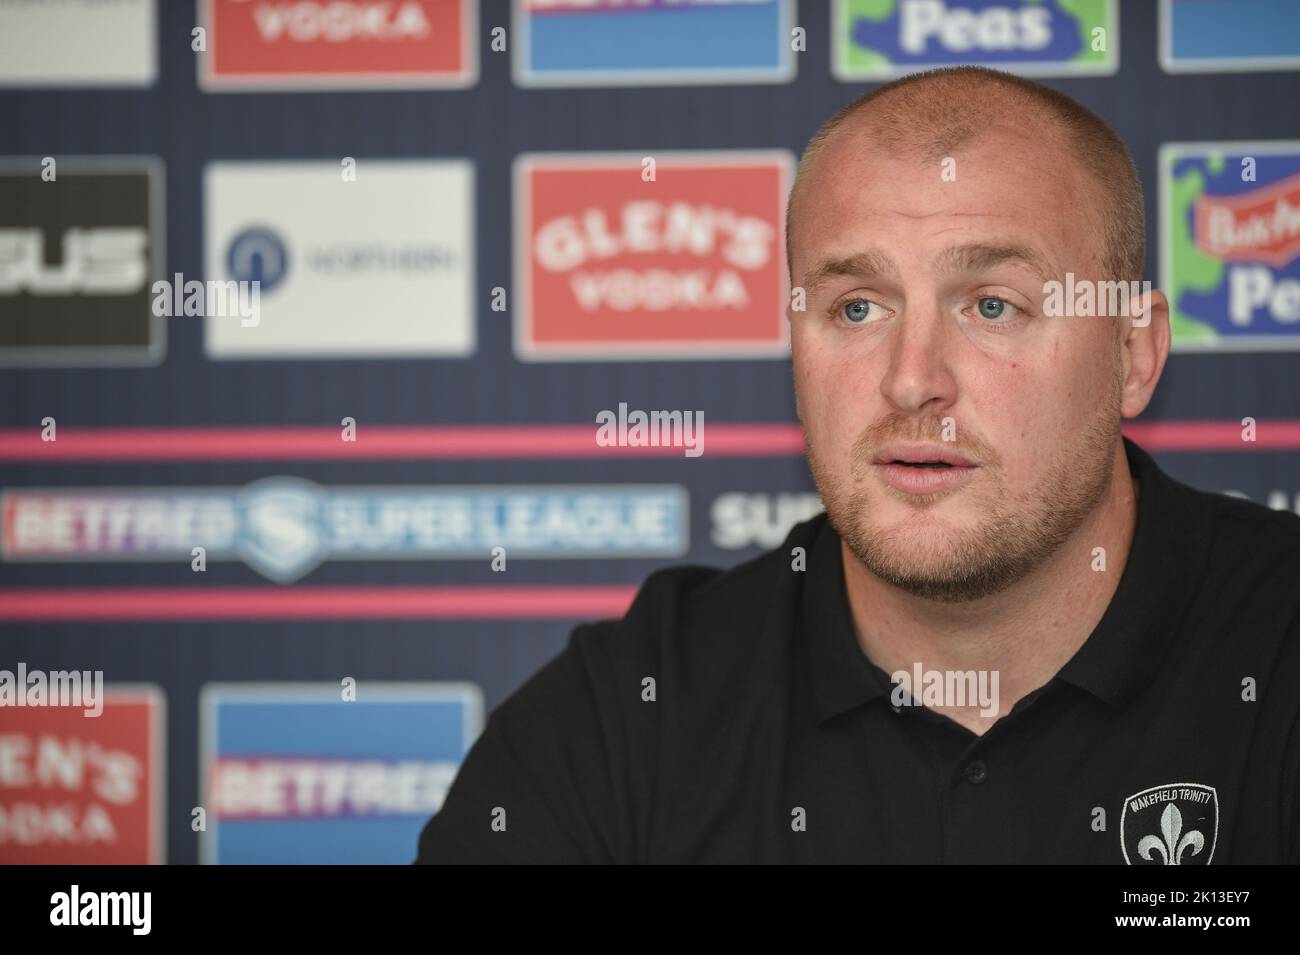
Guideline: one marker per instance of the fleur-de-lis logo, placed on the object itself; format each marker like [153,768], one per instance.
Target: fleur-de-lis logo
[1173,824]
[1172,848]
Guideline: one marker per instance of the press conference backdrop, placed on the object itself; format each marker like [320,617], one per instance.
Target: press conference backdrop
[311,539]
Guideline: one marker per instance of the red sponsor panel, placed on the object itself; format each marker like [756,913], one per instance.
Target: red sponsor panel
[77,789]
[612,262]
[339,43]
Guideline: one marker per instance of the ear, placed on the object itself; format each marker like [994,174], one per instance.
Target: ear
[1143,347]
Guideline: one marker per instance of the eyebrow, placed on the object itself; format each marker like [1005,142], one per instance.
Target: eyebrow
[862,264]
[979,257]
[976,257]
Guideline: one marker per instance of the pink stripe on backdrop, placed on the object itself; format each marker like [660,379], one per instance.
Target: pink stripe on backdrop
[375,442]
[108,604]
[386,442]
[1214,435]
[387,603]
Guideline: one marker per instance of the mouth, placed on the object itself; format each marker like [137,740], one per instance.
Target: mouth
[922,456]
[923,469]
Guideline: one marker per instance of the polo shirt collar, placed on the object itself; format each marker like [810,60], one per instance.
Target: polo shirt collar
[1125,649]
[842,676]
[1165,564]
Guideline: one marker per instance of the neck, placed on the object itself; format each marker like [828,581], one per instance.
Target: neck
[1025,633]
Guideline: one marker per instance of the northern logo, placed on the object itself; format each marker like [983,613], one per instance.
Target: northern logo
[258,255]
[380,265]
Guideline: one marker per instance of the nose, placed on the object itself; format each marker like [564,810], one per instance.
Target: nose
[919,377]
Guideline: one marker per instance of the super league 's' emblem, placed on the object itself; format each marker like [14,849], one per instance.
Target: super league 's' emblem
[1173,824]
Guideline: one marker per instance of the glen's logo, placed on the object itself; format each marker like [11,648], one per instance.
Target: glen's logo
[1173,824]
[676,256]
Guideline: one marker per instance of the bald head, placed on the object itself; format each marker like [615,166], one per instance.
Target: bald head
[930,116]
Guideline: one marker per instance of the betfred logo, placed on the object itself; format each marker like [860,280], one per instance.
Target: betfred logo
[338,44]
[1230,244]
[673,255]
[328,773]
[284,527]
[78,791]
[246,789]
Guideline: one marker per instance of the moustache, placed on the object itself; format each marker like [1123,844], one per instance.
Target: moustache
[897,428]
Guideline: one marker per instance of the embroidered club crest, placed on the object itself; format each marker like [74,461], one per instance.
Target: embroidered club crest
[1173,824]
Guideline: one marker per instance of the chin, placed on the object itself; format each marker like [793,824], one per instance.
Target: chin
[944,519]
[922,553]
[902,530]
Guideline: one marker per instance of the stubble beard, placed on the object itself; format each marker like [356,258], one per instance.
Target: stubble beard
[1013,535]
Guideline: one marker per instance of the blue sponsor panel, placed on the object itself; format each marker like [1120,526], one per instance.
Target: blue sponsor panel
[298,773]
[880,39]
[1218,36]
[1230,244]
[651,42]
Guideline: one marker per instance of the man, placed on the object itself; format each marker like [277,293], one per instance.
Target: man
[1011,637]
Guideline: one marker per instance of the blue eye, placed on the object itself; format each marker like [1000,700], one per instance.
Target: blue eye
[990,306]
[857,311]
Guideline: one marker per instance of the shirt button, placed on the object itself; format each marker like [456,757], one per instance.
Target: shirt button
[976,772]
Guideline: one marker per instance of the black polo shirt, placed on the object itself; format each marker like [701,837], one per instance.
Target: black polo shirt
[731,716]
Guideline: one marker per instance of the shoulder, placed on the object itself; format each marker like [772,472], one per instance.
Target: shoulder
[687,607]
[687,623]
[1241,569]
[1247,541]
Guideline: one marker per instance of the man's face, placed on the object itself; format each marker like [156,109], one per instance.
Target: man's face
[934,345]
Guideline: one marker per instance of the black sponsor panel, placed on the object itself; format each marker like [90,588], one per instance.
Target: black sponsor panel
[79,253]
